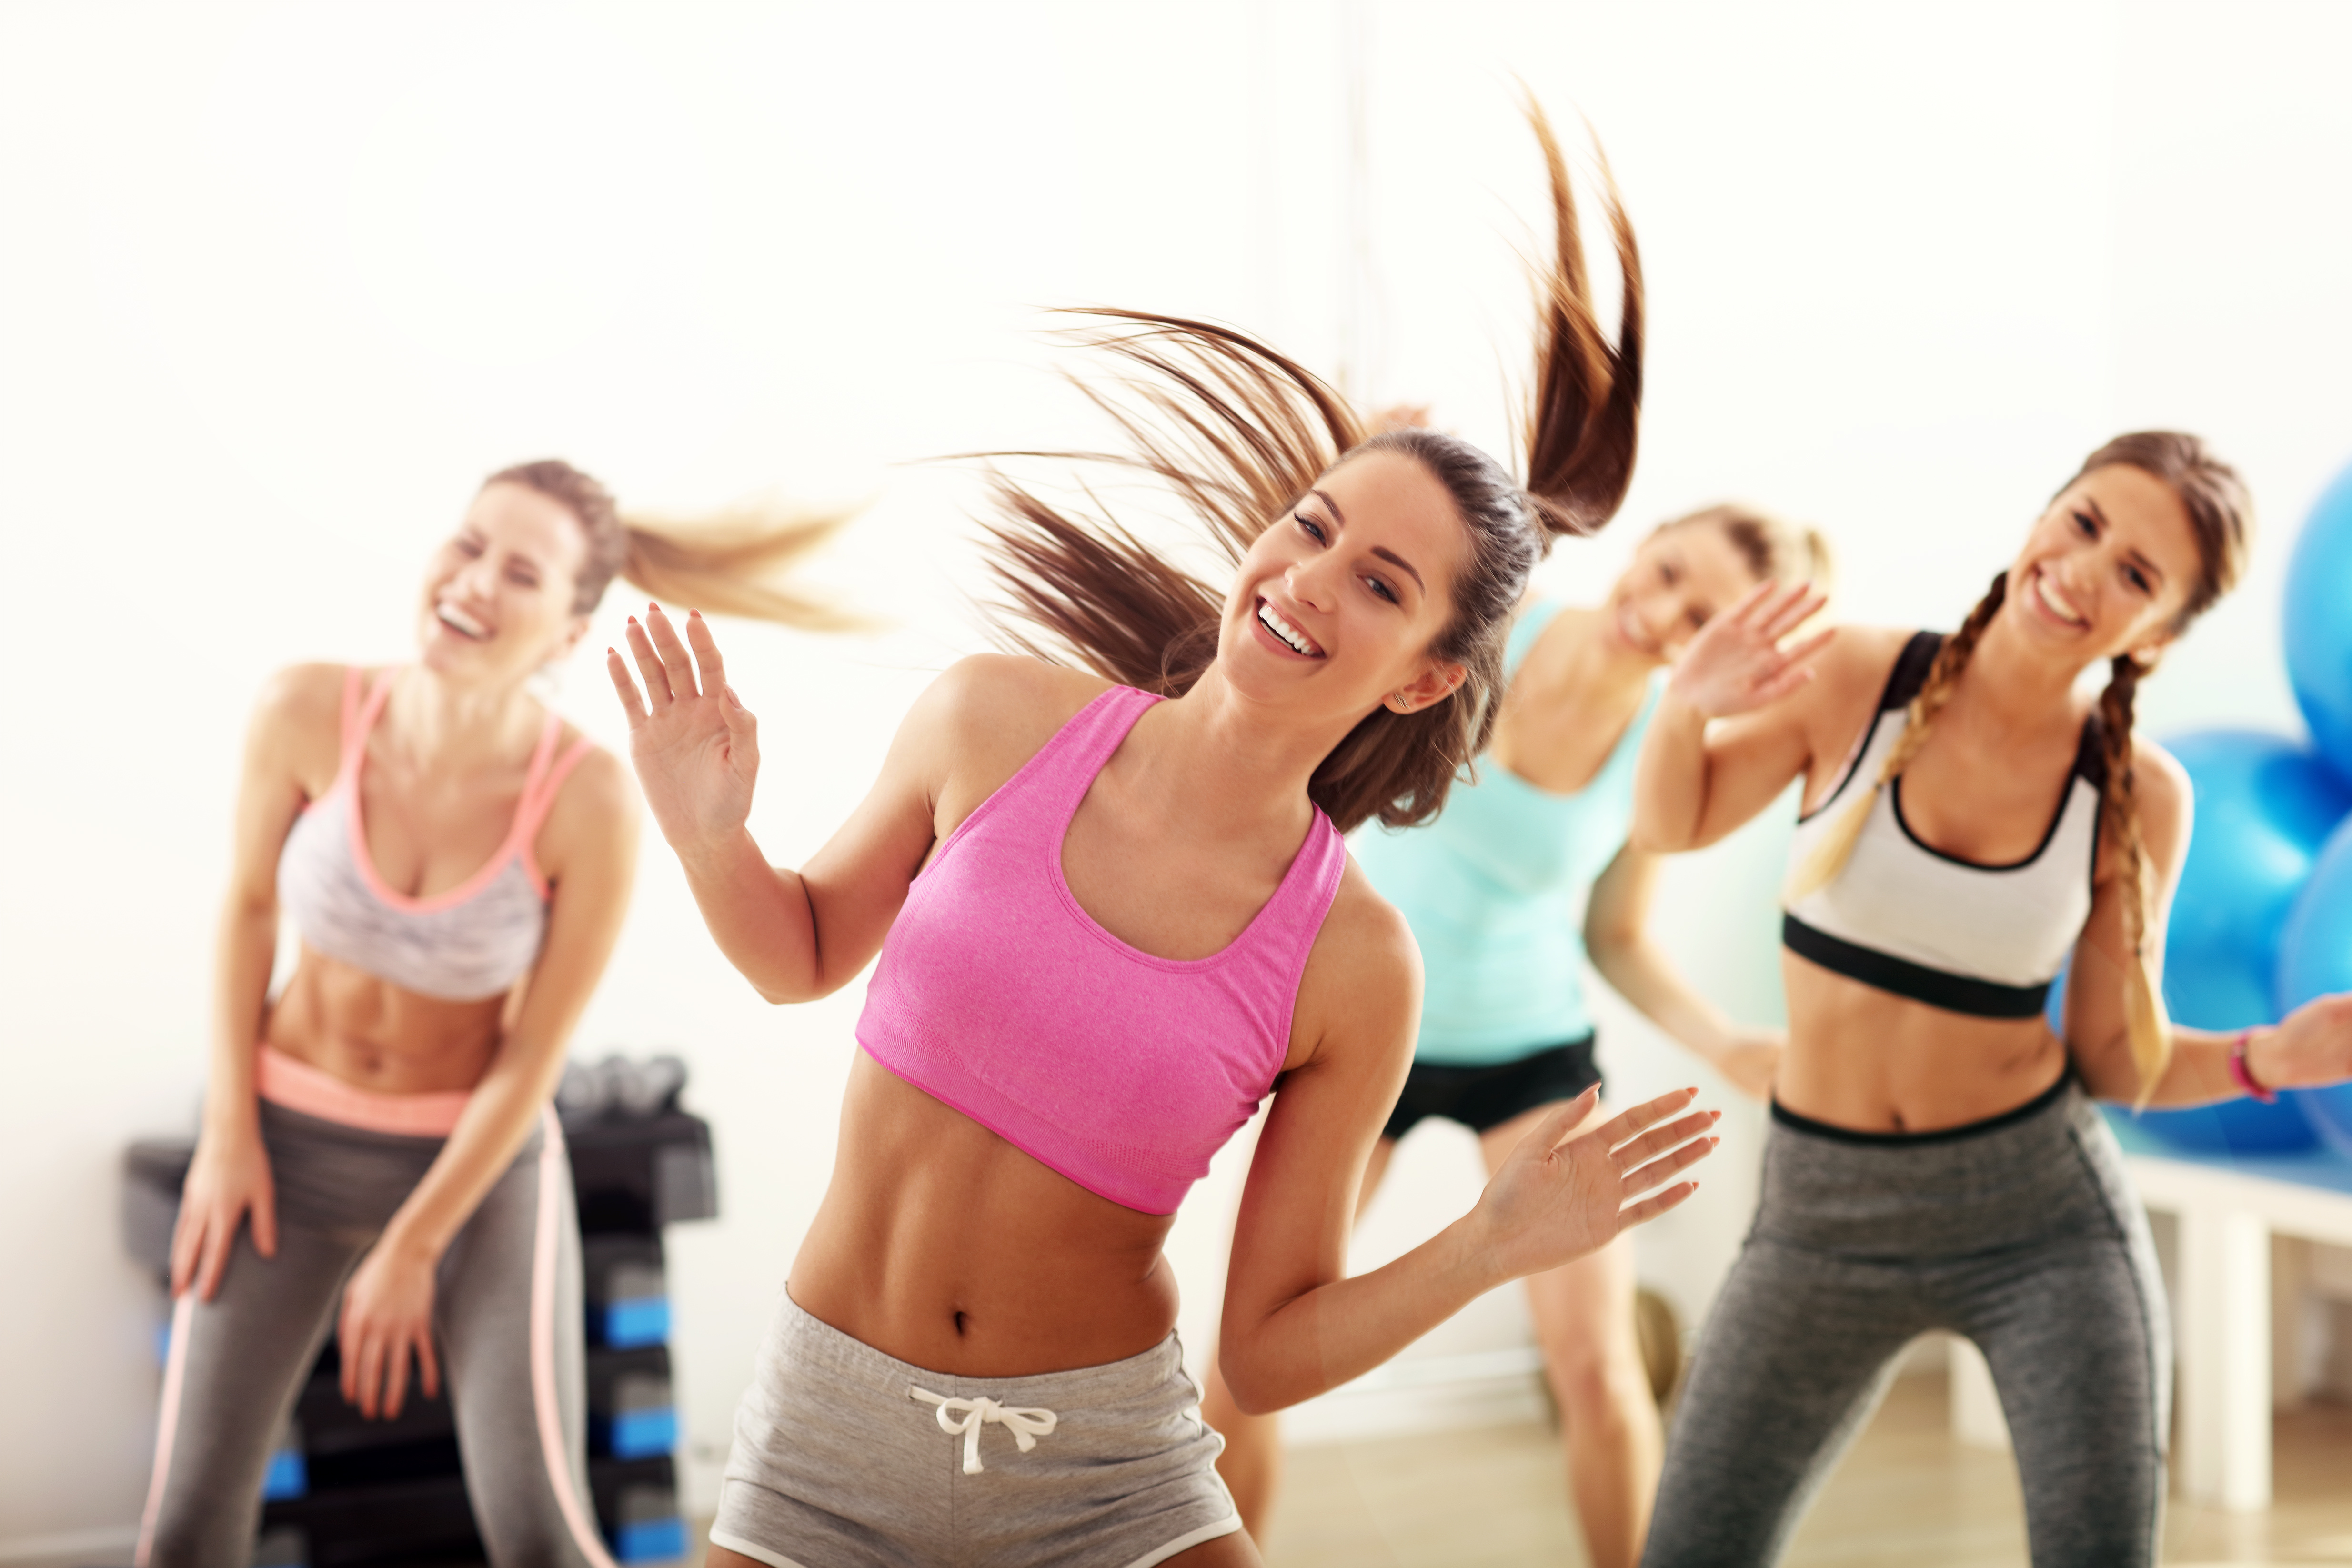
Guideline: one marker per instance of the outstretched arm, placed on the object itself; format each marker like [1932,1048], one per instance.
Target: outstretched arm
[1617,937]
[2311,1047]
[1294,1325]
[795,935]
[1693,783]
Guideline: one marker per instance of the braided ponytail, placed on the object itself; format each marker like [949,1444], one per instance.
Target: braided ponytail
[2146,1026]
[1828,857]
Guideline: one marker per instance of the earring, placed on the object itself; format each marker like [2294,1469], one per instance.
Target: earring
[1403,704]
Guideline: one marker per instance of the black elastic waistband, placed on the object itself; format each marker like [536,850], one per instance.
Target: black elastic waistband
[2030,1108]
[1935,987]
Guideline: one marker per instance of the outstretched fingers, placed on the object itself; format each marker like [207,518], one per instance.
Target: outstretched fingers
[677,662]
[706,653]
[1658,1139]
[1745,608]
[1799,601]
[1650,1208]
[1666,1165]
[1553,1129]
[625,687]
[658,694]
[1622,1126]
[1796,667]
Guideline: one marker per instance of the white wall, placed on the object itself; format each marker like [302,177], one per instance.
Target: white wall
[277,283]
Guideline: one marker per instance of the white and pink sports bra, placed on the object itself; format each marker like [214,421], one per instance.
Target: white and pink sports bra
[469,944]
[1907,918]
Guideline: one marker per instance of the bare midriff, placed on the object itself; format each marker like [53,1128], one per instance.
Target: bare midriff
[376,1036]
[944,1245]
[1871,1061]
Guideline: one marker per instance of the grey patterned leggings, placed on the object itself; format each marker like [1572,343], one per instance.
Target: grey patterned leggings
[507,1320]
[2020,1233]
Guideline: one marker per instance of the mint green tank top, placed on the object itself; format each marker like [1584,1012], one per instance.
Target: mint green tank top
[1494,888]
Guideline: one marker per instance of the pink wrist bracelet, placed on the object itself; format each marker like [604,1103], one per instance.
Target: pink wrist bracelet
[2243,1075]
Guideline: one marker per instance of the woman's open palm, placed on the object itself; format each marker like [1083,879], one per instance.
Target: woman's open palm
[696,748]
[1558,1198]
[1736,664]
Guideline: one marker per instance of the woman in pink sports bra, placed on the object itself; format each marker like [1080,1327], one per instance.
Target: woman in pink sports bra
[1113,912]
[455,861]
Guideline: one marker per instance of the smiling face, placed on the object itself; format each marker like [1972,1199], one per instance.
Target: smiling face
[1338,604]
[499,595]
[1679,577]
[2107,570]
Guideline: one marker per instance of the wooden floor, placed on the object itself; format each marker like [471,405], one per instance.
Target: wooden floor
[1906,1495]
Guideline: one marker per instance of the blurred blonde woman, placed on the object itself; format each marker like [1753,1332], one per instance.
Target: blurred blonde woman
[378,1154]
[1491,890]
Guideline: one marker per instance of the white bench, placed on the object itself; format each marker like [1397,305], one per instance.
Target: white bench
[2222,1318]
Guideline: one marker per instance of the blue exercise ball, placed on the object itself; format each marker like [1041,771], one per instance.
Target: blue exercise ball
[2315,959]
[2264,805]
[2226,1128]
[2318,622]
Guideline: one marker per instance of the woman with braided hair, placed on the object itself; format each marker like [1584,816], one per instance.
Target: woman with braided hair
[1113,912]
[1936,1161]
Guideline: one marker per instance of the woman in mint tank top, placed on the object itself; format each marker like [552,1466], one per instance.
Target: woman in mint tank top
[1492,889]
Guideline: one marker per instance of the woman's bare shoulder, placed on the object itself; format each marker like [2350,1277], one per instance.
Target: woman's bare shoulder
[995,707]
[1362,985]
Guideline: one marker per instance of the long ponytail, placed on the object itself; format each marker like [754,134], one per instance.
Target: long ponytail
[2146,1028]
[1238,432]
[728,563]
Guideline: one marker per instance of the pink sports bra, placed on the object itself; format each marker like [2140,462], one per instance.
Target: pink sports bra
[472,942]
[997,994]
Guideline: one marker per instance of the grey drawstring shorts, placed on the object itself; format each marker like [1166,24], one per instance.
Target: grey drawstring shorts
[846,1457]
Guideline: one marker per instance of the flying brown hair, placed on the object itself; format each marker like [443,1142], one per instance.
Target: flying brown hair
[730,563]
[1238,433]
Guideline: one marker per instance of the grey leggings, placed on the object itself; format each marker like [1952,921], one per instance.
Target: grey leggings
[506,1321]
[2020,1233]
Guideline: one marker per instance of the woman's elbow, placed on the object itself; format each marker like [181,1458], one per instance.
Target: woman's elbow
[1254,1394]
[1651,838]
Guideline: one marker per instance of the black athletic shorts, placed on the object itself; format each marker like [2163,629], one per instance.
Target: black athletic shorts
[1483,1097]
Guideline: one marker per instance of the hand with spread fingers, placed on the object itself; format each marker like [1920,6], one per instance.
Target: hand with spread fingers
[229,1179]
[2311,1048]
[1560,1197]
[695,746]
[1736,663]
[387,1317]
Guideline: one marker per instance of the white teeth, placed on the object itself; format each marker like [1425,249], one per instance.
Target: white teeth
[1299,641]
[2053,604]
[460,621]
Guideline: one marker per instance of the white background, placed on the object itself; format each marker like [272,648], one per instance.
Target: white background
[278,284]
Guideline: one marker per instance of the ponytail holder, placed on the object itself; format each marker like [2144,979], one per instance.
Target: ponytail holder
[2243,1075]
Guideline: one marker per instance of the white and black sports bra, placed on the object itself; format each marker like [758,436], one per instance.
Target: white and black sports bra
[1907,918]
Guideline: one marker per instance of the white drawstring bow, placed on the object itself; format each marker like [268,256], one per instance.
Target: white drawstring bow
[1027,1425]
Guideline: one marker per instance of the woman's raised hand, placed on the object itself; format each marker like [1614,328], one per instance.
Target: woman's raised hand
[1736,664]
[696,748]
[1557,1197]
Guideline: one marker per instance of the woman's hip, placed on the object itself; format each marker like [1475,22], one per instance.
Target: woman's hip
[843,1454]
